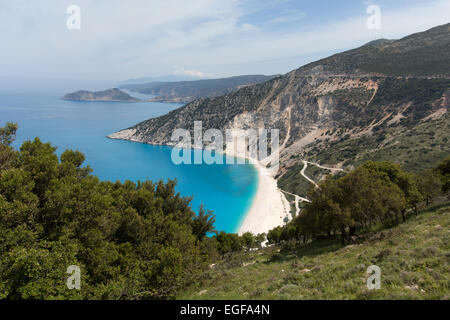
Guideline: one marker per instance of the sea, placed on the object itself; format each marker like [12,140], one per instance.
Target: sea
[226,189]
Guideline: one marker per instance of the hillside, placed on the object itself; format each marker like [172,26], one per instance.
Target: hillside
[113,95]
[387,100]
[413,258]
[187,91]
[423,54]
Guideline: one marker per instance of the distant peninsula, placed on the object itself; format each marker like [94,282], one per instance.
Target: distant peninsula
[187,91]
[110,95]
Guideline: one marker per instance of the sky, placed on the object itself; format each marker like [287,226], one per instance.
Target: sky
[123,39]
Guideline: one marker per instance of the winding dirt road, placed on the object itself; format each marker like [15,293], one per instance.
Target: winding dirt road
[302,172]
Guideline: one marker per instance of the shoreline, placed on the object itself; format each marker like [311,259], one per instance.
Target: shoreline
[269,206]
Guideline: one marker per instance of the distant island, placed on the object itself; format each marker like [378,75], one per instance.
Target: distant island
[112,95]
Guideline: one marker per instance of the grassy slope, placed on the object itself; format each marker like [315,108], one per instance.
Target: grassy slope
[413,257]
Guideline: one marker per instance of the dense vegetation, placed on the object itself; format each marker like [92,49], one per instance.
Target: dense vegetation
[412,256]
[377,193]
[131,240]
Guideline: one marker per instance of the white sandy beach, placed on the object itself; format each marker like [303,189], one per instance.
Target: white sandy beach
[269,207]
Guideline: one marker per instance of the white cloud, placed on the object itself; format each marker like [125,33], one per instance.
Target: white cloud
[192,73]
[122,39]
[288,17]
[243,50]
[249,27]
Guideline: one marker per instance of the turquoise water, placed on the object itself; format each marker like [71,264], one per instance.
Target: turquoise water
[228,190]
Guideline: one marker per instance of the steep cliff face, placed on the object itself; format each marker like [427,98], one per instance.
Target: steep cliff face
[370,96]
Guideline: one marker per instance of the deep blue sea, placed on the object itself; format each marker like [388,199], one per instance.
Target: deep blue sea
[228,190]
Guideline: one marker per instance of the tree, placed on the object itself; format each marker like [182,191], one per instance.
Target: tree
[405,181]
[429,184]
[8,133]
[350,204]
[228,242]
[274,235]
[260,238]
[203,223]
[7,136]
[443,169]
[248,240]
[324,214]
